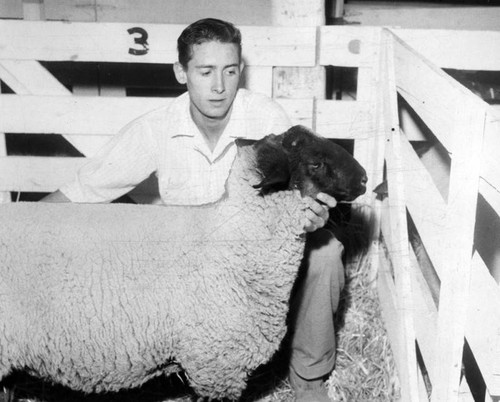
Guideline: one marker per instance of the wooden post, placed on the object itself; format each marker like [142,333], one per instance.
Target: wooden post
[299,82]
[457,248]
[398,243]
[369,148]
[4,195]
[32,10]
[338,11]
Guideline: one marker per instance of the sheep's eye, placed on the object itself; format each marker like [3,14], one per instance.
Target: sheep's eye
[316,165]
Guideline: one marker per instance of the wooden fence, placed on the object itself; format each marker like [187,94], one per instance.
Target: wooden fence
[438,292]
[427,321]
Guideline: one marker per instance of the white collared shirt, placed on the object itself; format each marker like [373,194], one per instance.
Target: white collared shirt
[167,141]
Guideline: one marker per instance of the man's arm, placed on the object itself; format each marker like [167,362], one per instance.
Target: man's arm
[56,196]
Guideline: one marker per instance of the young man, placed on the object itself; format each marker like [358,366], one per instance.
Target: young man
[190,146]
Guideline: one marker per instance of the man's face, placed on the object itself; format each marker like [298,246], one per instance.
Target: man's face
[212,77]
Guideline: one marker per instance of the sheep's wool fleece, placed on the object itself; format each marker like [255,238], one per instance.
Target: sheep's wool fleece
[105,297]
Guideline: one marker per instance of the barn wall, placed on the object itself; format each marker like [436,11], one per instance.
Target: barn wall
[482,16]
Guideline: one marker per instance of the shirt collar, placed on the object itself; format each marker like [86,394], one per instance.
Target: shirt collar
[187,128]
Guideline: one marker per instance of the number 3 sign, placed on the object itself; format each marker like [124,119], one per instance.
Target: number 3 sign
[141,40]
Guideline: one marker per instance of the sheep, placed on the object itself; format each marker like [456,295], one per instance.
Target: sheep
[106,297]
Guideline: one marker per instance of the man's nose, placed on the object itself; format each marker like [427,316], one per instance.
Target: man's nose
[218,84]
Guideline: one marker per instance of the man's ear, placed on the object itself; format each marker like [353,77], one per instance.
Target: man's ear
[180,73]
[242,66]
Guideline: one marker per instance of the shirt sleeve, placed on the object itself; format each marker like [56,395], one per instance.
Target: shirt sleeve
[124,162]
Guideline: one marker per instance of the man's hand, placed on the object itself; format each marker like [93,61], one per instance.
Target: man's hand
[317,215]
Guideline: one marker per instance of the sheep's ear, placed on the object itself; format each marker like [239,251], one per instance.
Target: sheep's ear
[297,137]
[272,163]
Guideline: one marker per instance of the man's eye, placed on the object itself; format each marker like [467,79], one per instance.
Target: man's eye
[205,72]
[230,72]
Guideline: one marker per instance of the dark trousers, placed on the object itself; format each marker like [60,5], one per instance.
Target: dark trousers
[313,304]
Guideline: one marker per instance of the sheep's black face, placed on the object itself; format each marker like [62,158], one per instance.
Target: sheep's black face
[300,159]
[319,165]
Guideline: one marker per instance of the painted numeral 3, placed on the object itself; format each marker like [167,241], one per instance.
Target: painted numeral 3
[141,40]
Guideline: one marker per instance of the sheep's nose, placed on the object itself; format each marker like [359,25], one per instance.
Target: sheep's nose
[362,184]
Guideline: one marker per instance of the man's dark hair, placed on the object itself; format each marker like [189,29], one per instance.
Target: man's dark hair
[206,30]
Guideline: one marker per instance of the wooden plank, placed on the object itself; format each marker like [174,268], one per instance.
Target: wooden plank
[433,94]
[446,48]
[399,246]
[465,394]
[469,119]
[344,119]
[294,81]
[490,168]
[71,10]
[369,148]
[47,174]
[298,12]
[491,194]
[30,77]
[33,10]
[111,42]
[483,318]
[389,310]
[4,195]
[27,77]
[425,204]
[255,12]
[77,115]
[483,323]
[37,174]
[426,315]
[70,115]
[54,41]
[388,306]
[367,82]
[338,10]
[369,145]
[409,126]
[429,214]
[11,9]
[435,101]
[348,46]
[423,15]
[422,387]
[258,79]
[279,46]
[299,82]
[300,111]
